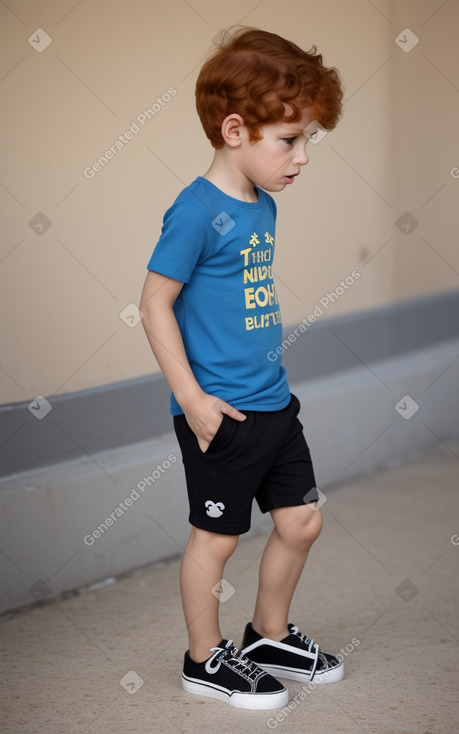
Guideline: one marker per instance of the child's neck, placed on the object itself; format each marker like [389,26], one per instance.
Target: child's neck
[226,176]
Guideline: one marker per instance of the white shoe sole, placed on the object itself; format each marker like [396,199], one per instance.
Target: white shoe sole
[332,675]
[254,701]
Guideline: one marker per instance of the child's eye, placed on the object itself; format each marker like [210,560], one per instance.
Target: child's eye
[289,141]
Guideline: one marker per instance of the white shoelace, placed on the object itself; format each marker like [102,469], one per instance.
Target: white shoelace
[242,664]
[304,639]
[325,663]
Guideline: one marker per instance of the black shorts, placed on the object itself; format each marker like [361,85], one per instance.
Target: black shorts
[265,457]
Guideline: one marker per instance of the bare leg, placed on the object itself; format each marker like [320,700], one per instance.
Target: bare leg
[295,530]
[202,567]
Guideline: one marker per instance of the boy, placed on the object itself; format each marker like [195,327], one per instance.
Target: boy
[211,315]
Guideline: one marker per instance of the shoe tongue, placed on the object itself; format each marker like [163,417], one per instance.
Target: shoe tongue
[296,632]
[225,644]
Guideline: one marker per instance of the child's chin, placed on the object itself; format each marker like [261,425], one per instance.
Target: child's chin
[275,187]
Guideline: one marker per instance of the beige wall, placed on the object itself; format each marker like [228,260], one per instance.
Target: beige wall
[62,291]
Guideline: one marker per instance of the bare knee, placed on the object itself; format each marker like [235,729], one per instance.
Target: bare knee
[219,546]
[308,528]
[303,528]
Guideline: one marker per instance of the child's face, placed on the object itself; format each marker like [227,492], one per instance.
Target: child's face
[273,162]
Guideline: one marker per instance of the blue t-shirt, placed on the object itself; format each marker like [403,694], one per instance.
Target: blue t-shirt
[222,249]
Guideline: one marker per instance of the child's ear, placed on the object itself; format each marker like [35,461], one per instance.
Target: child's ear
[233,130]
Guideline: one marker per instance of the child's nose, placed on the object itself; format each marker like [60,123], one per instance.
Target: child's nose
[301,157]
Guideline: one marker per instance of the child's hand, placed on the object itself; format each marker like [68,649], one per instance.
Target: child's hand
[204,416]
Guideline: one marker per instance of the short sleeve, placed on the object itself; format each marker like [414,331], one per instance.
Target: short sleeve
[185,239]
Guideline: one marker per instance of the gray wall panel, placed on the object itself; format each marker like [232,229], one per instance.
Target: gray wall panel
[123,413]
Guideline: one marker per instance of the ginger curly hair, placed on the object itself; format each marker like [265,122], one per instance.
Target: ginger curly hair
[264,78]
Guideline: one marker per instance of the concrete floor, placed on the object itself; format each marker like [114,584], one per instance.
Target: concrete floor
[381,584]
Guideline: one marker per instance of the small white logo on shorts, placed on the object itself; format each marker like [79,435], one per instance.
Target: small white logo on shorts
[214,509]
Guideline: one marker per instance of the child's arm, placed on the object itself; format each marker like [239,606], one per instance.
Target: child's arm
[202,411]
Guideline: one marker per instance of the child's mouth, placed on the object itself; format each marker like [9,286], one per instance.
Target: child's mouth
[290,179]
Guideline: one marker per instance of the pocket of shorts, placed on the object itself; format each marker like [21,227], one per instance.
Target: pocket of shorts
[220,438]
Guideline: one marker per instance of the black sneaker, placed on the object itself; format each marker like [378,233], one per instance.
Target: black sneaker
[296,657]
[229,676]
